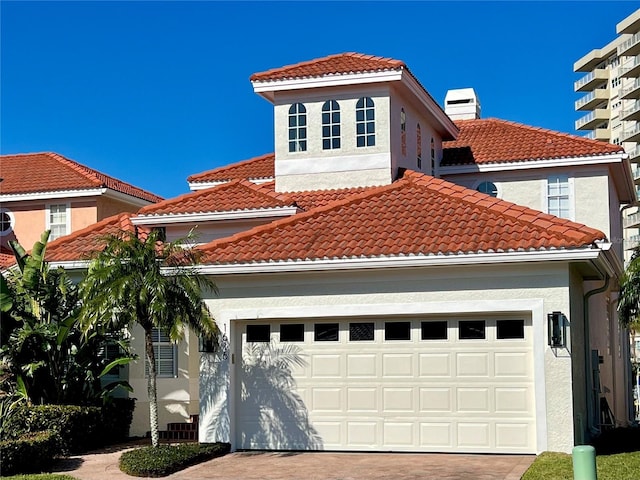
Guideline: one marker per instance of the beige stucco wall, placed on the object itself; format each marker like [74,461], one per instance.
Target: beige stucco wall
[536,290]
[83,214]
[177,397]
[592,202]
[347,166]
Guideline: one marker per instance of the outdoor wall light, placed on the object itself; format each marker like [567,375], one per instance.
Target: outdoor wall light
[557,330]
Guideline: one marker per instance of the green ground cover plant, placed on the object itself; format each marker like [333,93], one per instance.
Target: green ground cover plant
[164,460]
[558,466]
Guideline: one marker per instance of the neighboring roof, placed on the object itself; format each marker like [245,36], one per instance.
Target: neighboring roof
[257,168]
[80,244]
[47,172]
[416,215]
[227,197]
[341,63]
[497,141]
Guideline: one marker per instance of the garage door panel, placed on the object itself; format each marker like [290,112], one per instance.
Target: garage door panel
[403,395]
[362,365]
[435,365]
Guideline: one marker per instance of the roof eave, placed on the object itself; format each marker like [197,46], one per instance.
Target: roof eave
[585,253]
[162,219]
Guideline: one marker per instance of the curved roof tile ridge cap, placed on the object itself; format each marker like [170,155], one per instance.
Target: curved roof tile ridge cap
[223,168]
[301,216]
[266,73]
[99,178]
[185,196]
[571,136]
[512,210]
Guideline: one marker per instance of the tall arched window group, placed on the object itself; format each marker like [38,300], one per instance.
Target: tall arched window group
[365,125]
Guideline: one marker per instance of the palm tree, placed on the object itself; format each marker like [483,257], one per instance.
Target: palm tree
[629,298]
[137,278]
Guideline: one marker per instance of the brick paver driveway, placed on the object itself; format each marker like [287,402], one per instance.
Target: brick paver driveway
[320,466]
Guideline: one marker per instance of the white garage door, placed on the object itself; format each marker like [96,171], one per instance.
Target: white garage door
[426,385]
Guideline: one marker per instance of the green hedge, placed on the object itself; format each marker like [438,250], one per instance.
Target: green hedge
[32,452]
[80,428]
[167,459]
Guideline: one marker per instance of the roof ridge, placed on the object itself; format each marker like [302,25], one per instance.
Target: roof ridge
[193,178]
[364,56]
[513,210]
[300,216]
[184,196]
[543,130]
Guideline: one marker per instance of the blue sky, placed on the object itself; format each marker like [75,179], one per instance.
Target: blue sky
[151,92]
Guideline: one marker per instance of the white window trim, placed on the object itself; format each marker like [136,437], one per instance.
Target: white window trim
[12,222]
[47,218]
[545,196]
[298,115]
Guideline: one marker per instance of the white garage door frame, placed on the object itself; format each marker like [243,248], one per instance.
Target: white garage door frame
[532,308]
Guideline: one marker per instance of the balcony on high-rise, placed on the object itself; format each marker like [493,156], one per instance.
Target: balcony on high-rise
[631,46]
[602,134]
[632,220]
[631,134]
[631,112]
[591,80]
[632,90]
[631,68]
[634,156]
[592,119]
[592,99]
[632,242]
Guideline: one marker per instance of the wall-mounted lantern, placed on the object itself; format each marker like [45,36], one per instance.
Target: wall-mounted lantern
[557,330]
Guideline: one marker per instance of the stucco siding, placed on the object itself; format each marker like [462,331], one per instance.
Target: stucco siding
[422,292]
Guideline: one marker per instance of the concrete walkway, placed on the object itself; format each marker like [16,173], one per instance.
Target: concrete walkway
[317,466]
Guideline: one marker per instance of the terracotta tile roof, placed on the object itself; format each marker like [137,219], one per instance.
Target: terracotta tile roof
[46,172]
[417,215]
[80,244]
[232,196]
[256,168]
[319,198]
[341,63]
[494,141]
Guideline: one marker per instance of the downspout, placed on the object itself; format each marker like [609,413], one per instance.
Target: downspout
[587,354]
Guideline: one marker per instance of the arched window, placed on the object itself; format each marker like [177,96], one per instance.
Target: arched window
[489,188]
[403,131]
[7,222]
[365,123]
[419,145]
[330,125]
[297,128]
[433,158]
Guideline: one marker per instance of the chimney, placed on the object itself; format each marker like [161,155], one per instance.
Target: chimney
[462,104]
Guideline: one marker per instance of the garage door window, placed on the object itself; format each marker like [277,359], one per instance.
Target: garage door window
[507,329]
[258,333]
[397,331]
[292,332]
[434,330]
[359,332]
[325,332]
[472,330]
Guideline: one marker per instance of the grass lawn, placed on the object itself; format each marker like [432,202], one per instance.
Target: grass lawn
[558,466]
[40,476]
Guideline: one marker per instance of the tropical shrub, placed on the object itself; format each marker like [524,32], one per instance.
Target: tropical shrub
[167,459]
[32,452]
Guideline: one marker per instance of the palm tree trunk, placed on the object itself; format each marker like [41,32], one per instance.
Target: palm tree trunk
[151,389]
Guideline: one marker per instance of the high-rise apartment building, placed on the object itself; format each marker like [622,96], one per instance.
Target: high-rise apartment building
[611,104]
[611,107]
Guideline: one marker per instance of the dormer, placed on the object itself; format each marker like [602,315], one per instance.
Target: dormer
[351,120]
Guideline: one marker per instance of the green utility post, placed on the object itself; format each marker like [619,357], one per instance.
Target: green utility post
[584,463]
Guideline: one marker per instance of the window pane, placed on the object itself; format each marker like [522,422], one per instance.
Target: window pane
[360,141]
[292,121]
[360,128]
[326,144]
[471,330]
[397,330]
[510,329]
[325,108]
[360,103]
[302,120]
[303,145]
[371,140]
[359,115]
[302,133]
[325,118]
[258,333]
[292,134]
[335,130]
[335,117]
[361,331]
[292,332]
[336,143]
[325,332]
[371,127]
[434,330]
